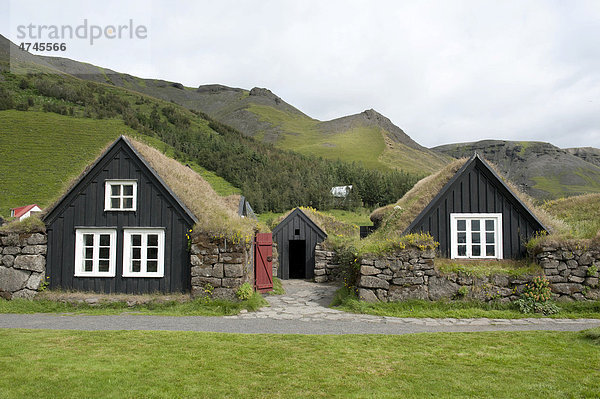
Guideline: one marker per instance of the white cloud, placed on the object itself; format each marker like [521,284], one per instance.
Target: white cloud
[443,71]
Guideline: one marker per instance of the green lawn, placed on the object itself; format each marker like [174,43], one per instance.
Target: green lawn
[156,364]
[459,309]
[197,307]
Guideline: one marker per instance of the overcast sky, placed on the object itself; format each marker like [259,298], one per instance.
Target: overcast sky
[444,71]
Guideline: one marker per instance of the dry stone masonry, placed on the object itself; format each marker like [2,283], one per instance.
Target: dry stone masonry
[571,270]
[22,264]
[411,274]
[326,268]
[219,267]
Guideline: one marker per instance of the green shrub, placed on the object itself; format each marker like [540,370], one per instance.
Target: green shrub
[245,292]
[592,270]
[536,298]
[463,291]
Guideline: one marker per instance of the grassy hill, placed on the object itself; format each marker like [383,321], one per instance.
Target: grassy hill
[581,213]
[540,169]
[42,152]
[193,138]
[368,137]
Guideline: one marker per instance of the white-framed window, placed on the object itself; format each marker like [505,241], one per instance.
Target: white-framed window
[476,235]
[95,252]
[144,252]
[120,195]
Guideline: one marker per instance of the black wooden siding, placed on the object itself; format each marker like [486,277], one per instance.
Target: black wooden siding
[84,207]
[478,190]
[284,232]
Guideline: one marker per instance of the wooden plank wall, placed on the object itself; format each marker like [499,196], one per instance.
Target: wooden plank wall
[155,208]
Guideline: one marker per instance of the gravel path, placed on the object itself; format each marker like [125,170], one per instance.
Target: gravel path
[302,310]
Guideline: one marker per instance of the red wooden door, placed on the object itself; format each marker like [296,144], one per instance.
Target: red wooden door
[263,262]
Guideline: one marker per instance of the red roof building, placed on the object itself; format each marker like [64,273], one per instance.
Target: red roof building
[24,212]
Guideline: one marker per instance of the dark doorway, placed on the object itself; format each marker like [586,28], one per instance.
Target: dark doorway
[297,258]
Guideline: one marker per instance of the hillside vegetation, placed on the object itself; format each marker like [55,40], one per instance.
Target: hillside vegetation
[271,179]
[580,213]
[368,137]
[36,168]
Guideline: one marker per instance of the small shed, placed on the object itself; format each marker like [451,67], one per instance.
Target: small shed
[296,237]
[24,212]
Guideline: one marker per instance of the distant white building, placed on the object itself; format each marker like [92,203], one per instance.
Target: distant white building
[24,212]
[341,191]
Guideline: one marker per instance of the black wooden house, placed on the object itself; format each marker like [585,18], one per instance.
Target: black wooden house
[296,237]
[476,215]
[119,229]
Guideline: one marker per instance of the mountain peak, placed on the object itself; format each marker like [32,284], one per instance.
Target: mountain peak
[262,92]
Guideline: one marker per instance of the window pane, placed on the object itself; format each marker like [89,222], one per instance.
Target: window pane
[462,238]
[127,203]
[115,190]
[490,238]
[489,225]
[115,203]
[89,253]
[475,238]
[104,253]
[128,189]
[475,225]
[88,240]
[137,253]
[87,266]
[153,240]
[490,250]
[136,240]
[135,266]
[152,266]
[461,225]
[103,265]
[476,250]
[105,240]
[152,253]
[462,250]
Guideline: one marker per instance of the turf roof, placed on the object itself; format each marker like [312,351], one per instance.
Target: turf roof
[327,223]
[395,218]
[212,211]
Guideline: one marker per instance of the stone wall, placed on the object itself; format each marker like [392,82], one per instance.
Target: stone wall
[326,267]
[275,260]
[22,264]
[219,266]
[411,274]
[572,271]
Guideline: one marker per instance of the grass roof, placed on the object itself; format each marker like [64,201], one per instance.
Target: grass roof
[581,213]
[216,215]
[394,219]
[329,224]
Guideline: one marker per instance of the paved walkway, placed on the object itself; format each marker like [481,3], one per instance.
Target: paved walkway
[302,310]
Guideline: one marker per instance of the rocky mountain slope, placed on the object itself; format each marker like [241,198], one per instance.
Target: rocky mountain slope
[368,137]
[542,170]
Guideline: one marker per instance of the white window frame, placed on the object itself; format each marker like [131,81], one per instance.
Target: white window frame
[127,252]
[80,256]
[108,184]
[454,217]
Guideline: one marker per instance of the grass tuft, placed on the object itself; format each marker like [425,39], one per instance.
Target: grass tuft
[346,300]
[158,307]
